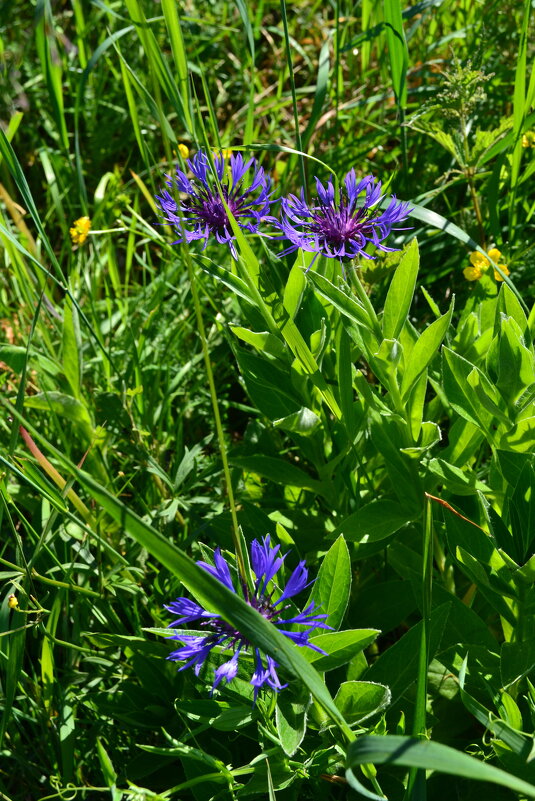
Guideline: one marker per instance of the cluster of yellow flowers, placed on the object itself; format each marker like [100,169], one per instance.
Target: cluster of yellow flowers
[79,231]
[528,139]
[479,264]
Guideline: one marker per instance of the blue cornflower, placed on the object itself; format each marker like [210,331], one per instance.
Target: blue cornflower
[202,214]
[265,563]
[340,227]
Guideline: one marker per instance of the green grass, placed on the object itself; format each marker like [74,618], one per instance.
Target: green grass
[174,400]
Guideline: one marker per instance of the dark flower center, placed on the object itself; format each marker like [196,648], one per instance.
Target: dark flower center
[337,225]
[209,208]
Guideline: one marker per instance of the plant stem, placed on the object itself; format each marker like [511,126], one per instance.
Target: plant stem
[217,417]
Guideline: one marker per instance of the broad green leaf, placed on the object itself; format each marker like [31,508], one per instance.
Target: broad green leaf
[456,371]
[263,341]
[341,647]
[426,755]
[516,363]
[290,719]
[333,584]
[358,700]
[295,288]
[400,292]
[281,472]
[303,422]
[14,356]
[424,350]
[341,300]
[454,479]
[520,437]
[397,667]
[509,305]
[63,406]
[71,347]
[373,522]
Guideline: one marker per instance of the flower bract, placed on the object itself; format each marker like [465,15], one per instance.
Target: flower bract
[341,225]
[195,208]
[267,599]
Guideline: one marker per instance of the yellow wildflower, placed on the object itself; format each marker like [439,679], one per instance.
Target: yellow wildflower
[480,262]
[79,231]
[13,602]
[504,268]
[528,139]
[226,152]
[183,150]
[472,273]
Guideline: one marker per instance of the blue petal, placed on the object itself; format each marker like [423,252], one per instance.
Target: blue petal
[220,570]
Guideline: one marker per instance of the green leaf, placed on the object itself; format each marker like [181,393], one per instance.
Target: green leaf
[281,472]
[424,350]
[341,647]
[454,479]
[516,363]
[71,347]
[333,584]
[374,522]
[341,300]
[303,422]
[263,341]
[290,719]
[63,406]
[14,356]
[520,437]
[426,755]
[295,288]
[358,700]
[456,371]
[397,667]
[400,292]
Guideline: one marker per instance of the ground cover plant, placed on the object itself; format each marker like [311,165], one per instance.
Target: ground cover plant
[268,408]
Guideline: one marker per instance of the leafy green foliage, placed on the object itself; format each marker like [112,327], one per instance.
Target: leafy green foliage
[351,403]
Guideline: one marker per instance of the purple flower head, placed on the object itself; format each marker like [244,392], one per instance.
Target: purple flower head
[217,632]
[202,214]
[341,227]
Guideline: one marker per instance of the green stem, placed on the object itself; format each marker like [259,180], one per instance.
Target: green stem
[217,417]
[416,775]
[366,302]
[294,95]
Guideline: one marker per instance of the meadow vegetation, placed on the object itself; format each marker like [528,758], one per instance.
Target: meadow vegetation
[167,403]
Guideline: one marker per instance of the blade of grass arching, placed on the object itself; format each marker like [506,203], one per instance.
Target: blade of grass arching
[416,786]
[158,67]
[299,145]
[243,8]
[213,595]
[169,8]
[436,220]
[12,127]
[398,55]
[520,109]
[51,65]
[212,118]
[132,108]
[408,752]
